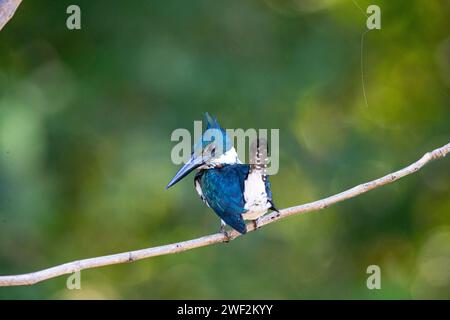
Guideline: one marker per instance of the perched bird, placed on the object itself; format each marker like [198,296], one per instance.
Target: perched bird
[235,191]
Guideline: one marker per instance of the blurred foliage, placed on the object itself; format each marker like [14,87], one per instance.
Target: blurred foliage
[85,124]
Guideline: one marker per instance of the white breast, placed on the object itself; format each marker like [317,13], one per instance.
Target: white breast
[255,196]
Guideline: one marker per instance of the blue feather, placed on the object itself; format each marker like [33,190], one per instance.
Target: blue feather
[223,190]
[213,124]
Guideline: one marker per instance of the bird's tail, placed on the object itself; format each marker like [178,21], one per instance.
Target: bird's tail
[258,156]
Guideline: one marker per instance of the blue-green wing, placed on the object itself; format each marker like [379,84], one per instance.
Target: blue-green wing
[223,189]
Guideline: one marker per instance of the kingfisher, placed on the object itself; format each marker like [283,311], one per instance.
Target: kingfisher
[233,190]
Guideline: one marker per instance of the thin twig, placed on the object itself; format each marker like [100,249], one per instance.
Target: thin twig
[67,268]
[7,10]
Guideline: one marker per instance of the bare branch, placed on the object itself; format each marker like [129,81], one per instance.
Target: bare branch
[7,10]
[67,268]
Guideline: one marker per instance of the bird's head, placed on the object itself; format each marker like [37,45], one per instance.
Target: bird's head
[214,148]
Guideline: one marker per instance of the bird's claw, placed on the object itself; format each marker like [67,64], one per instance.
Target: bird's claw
[225,233]
[256,223]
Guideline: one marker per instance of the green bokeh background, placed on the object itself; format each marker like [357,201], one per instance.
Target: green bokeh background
[85,124]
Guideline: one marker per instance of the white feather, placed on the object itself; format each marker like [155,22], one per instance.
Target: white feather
[199,190]
[255,196]
[229,157]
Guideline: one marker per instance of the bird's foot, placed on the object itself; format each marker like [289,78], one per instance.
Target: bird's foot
[225,233]
[256,223]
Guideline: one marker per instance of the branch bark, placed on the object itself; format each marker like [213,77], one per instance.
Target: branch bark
[7,10]
[67,268]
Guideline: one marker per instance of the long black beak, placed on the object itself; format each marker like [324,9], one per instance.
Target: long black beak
[188,167]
